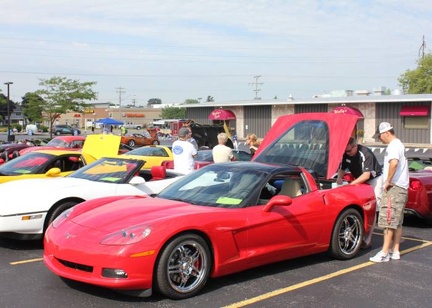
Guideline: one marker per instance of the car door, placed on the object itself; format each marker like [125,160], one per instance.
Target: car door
[286,231]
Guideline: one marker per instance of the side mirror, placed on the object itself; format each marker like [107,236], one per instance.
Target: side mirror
[53,172]
[137,180]
[278,200]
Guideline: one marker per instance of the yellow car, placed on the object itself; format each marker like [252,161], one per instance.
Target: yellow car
[54,163]
[153,155]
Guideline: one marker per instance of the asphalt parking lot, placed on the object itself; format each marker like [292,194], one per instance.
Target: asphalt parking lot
[314,281]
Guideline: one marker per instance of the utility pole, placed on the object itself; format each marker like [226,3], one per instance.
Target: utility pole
[256,83]
[120,91]
[422,48]
[9,137]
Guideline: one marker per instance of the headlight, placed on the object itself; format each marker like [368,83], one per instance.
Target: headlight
[61,218]
[127,236]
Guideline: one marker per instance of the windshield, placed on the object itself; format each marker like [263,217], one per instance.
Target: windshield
[30,163]
[304,144]
[149,151]
[218,186]
[112,170]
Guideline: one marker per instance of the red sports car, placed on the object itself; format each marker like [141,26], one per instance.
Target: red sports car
[220,219]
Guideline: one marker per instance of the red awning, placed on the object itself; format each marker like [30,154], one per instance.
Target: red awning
[348,110]
[415,111]
[221,114]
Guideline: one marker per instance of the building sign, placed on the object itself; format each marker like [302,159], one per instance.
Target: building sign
[133,115]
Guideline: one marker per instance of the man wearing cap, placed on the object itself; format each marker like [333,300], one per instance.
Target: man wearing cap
[184,152]
[395,193]
[365,168]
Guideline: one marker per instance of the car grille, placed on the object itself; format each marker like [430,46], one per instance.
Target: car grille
[77,266]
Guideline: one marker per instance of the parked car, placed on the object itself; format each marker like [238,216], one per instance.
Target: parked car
[46,198]
[57,162]
[220,219]
[141,139]
[11,150]
[153,155]
[65,130]
[59,142]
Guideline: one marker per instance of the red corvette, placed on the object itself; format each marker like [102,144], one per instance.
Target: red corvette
[220,219]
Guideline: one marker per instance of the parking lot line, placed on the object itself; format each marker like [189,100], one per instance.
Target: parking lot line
[274,293]
[26,261]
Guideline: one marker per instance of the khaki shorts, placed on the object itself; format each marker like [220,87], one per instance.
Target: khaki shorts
[391,213]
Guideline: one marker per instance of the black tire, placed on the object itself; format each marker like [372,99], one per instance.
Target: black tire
[155,142]
[58,133]
[131,143]
[183,267]
[138,127]
[55,212]
[347,235]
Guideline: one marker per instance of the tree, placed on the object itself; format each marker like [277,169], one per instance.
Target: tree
[4,106]
[173,113]
[154,101]
[61,95]
[191,101]
[32,107]
[419,80]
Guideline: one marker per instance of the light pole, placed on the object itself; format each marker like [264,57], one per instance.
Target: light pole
[9,138]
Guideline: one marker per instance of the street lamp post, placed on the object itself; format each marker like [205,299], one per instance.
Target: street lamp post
[9,137]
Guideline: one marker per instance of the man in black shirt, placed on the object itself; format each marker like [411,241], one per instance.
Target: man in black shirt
[364,167]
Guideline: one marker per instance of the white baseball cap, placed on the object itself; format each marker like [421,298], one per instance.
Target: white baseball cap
[382,128]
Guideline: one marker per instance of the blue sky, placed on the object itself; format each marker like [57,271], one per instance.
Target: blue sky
[178,50]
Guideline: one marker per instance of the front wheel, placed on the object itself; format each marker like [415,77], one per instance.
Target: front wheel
[347,235]
[183,267]
[55,212]
[131,143]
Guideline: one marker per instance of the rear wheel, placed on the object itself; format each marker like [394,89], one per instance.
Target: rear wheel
[131,143]
[347,235]
[183,267]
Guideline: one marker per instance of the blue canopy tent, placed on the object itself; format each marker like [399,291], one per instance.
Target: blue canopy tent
[109,121]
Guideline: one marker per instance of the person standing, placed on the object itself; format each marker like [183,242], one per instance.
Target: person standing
[253,143]
[123,130]
[365,168]
[221,152]
[184,152]
[395,193]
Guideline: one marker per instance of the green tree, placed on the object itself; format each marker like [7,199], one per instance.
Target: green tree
[4,106]
[173,113]
[419,80]
[61,95]
[191,101]
[32,107]
[154,101]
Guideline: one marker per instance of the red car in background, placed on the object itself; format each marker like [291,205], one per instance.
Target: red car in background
[59,142]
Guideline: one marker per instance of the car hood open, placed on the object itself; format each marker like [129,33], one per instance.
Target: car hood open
[316,141]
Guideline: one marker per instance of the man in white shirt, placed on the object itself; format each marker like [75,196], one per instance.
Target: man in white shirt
[222,153]
[395,193]
[184,152]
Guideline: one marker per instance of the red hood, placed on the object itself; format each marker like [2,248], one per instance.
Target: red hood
[132,211]
[340,129]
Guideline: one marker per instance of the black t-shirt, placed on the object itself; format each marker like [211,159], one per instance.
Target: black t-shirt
[363,161]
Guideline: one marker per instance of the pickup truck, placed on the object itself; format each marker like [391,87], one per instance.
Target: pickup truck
[132,126]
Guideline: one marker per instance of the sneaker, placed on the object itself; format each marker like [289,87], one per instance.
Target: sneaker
[380,257]
[394,255]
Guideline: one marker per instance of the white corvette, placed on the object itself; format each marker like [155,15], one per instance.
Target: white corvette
[32,204]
